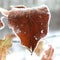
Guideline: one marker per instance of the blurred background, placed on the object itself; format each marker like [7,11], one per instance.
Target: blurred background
[54,6]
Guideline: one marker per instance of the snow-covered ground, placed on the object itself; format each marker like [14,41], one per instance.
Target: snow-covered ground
[20,53]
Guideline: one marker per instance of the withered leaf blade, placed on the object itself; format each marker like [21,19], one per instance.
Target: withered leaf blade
[30,24]
[1,24]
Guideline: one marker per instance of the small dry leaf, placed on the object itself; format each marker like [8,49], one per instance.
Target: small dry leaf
[39,48]
[48,54]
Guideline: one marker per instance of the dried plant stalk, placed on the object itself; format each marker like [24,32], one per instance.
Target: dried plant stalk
[5,45]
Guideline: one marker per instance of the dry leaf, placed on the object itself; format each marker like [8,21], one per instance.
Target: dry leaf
[29,24]
[39,48]
[48,54]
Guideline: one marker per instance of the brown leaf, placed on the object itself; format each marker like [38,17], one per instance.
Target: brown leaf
[30,24]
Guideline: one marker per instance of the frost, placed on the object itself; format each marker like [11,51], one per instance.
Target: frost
[42,31]
[41,23]
[40,16]
[24,32]
[22,25]
[18,31]
[35,38]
